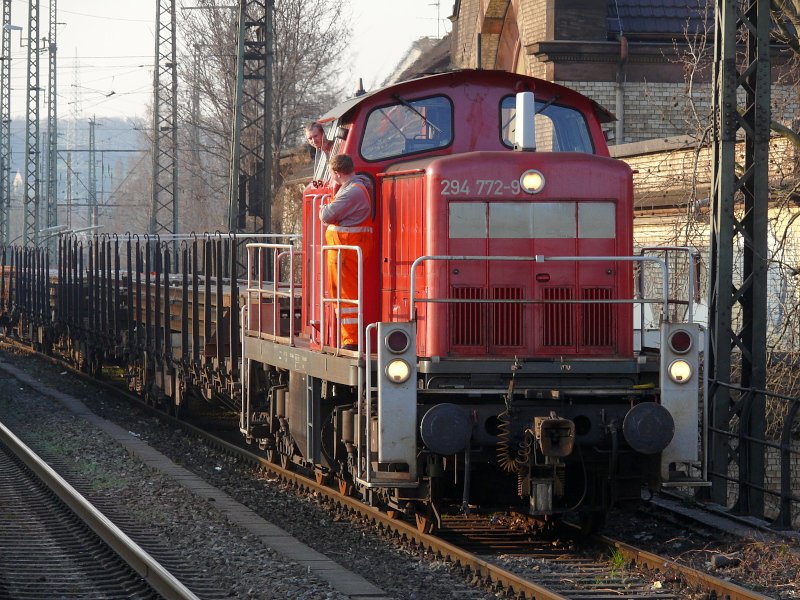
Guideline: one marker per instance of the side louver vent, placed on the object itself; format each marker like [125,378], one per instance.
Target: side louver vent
[597,319]
[467,320]
[507,322]
[558,327]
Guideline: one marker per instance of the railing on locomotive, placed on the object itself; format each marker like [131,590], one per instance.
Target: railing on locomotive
[659,335]
[338,300]
[257,255]
[317,237]
[257,259]
[691,275]
[664,301]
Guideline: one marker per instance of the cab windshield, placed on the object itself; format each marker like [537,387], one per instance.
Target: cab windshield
[558,128]
[408,127]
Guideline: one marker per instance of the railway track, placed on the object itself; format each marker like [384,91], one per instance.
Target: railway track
[551,568]
[56,544]
[477,545]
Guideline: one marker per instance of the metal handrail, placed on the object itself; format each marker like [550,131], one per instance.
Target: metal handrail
[366,402]
[338,300]
[692,252]
[317,237]
[786,497]
[538,258]
[258,250]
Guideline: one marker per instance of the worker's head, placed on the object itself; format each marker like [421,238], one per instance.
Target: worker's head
[315,134]
[341,164]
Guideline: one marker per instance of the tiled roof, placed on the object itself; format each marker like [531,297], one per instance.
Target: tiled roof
[655,17]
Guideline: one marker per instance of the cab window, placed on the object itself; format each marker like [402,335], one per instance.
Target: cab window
[558,128]
[408,127]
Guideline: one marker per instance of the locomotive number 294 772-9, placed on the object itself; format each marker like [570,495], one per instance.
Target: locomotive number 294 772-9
[479,187]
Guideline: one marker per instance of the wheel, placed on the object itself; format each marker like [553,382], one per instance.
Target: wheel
[345,486]
[95,366]
[178,405]
[425,524]
[426,520]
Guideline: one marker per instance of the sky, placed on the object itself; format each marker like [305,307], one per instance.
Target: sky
[112,45]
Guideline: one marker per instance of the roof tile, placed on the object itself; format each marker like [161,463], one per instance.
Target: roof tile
[648,17]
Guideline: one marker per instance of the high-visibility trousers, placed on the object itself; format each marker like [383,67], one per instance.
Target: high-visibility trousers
[360,236]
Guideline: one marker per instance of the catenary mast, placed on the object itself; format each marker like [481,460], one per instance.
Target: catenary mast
[5,128]
[164,207]
[30,227]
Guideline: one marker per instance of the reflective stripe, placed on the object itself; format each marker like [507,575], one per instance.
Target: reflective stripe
[346,229]
[353,309]
[349,321]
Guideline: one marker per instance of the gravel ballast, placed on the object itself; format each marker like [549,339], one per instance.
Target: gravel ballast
[238,561]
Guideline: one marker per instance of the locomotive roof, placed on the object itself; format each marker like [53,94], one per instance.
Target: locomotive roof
[490,77]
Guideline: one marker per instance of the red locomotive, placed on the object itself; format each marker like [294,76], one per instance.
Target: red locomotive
[497,363]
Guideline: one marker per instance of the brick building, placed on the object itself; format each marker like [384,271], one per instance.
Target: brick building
[628,55]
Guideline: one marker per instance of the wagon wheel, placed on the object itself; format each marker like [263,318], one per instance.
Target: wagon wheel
[345,486]
[94,364]
[426,520]
[179,408]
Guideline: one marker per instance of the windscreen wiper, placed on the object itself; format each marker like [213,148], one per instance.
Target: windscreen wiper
[409,106]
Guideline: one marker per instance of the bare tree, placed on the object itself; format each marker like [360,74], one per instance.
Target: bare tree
[690,227]
[310,40]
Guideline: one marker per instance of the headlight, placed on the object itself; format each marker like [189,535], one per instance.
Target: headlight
[680,371]
[532,181]
[398,370]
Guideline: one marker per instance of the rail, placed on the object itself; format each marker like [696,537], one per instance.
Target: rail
[148,568]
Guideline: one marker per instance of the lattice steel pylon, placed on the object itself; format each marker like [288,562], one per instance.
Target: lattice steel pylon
[164,207]
[91,213]
[250,198]
[738,311]
[30,227]
[52,128]
[5,128]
